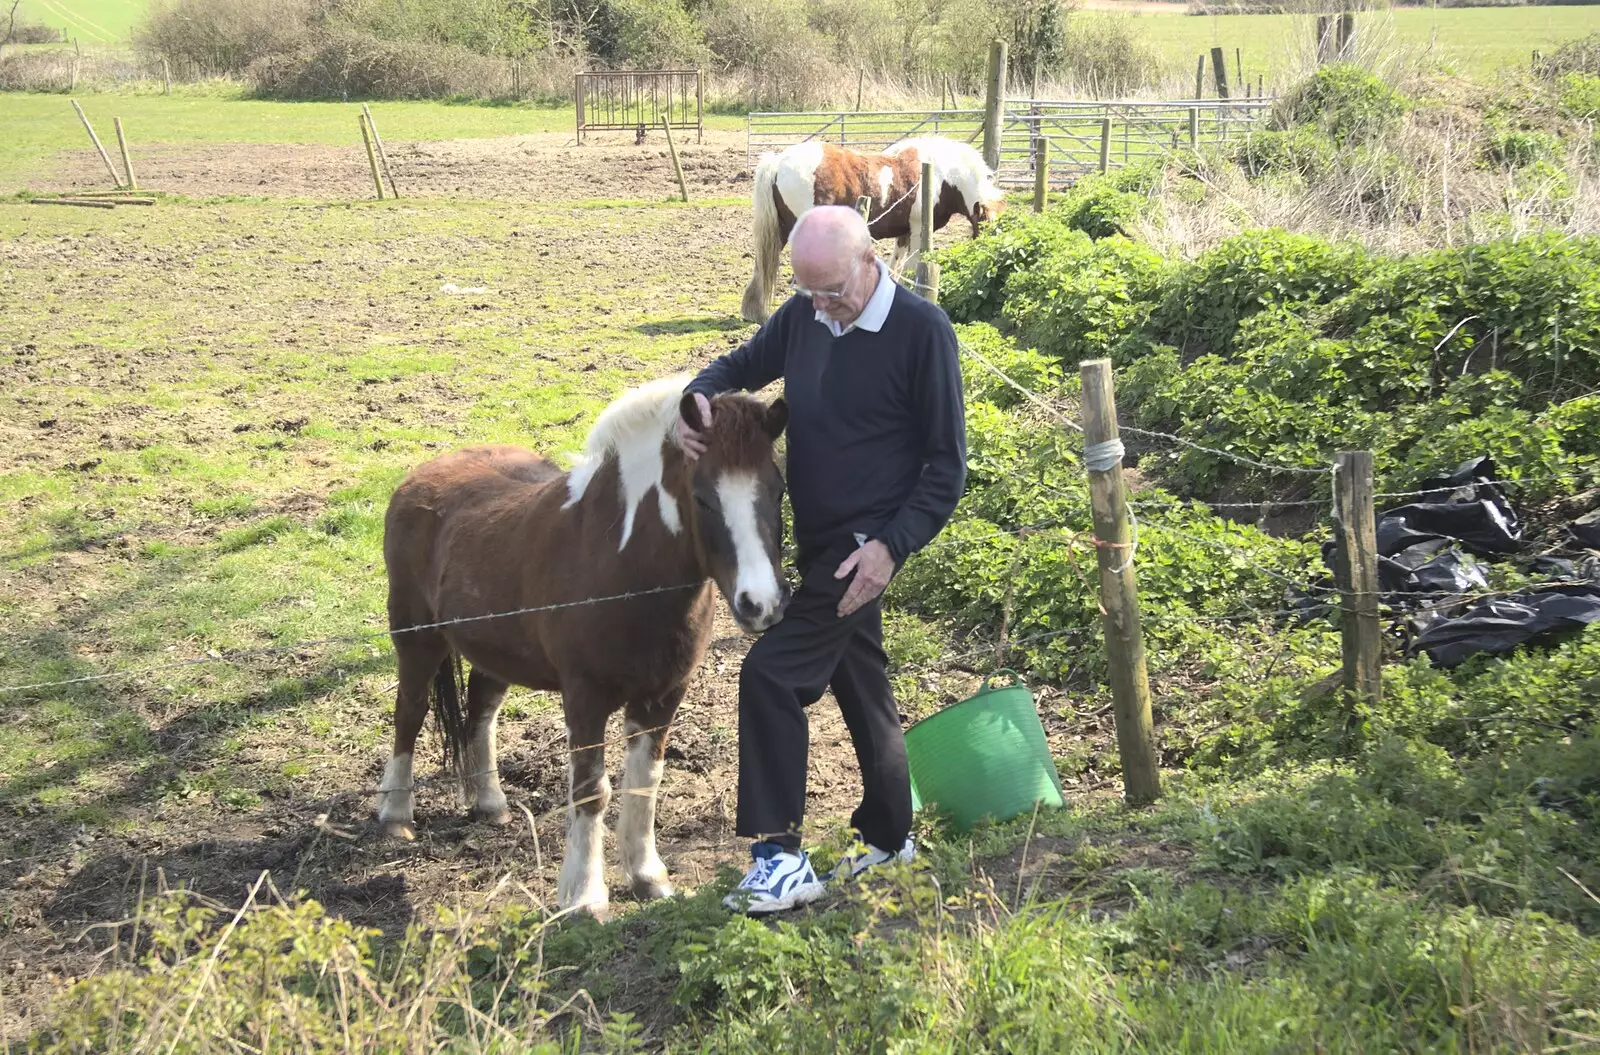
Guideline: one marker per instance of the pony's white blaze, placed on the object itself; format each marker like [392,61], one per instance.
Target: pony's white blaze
[632,430]
[885,182]
[796,170]
[737,492]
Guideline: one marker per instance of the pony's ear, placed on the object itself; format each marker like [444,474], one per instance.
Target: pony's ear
[777,417]
[689,410]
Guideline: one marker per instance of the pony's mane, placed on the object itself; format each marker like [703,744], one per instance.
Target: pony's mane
[632,429]
[955,163]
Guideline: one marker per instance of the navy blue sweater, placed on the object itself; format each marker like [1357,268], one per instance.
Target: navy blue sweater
[877,434]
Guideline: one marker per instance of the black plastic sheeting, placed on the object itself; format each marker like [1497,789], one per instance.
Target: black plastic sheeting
[1427,554]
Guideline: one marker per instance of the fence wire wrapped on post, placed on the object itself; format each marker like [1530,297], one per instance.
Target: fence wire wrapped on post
[1119,598]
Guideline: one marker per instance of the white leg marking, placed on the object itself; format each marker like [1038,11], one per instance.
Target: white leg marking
[488,801]
[583,872]
[394,794]
[756,578]
[636,823]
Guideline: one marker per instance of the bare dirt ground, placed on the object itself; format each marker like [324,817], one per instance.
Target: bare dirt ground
[540,167]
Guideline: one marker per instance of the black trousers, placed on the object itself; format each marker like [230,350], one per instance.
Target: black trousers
[786,670]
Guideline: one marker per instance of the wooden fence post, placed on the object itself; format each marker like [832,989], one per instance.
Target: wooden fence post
[672,148]
[1324,39]
[122,143]
[1200,78]
[927,270]
[1355,529]
[1105,144]
[1219,72]
[1347,36]
[166,76]
[372,155]
[1194,128]
[1041,175]
[116,180]
[994,104]
[383,155]
[861,78]
[1119,595]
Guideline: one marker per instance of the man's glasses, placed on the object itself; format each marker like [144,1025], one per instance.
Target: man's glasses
[831,294]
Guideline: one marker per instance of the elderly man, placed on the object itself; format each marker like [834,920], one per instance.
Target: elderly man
[877,461]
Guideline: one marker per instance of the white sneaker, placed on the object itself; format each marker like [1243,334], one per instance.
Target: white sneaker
[778,880]
[852,865]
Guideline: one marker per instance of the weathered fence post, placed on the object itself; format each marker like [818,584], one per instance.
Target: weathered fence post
[927,270]
[683,188]
[1219,72]
[994,104]
[1041,175]
[1105,144]
[861,79]
[1347,36]
[383,155]
[122,144]
[372,155]
[1119,595]
[1194,128]
[116,180]
[1355,528]
[1324,39]
[166,76]
[1200,78]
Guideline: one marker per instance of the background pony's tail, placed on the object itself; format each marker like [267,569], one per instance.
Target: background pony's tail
[449,689]
[764,210]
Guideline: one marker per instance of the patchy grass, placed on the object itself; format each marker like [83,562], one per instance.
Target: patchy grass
[200,462]
[94,21]
[37,126]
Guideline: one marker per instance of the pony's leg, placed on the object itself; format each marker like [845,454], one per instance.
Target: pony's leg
[480,775]
[646,730]
[583,881]
[902,249]
[418,658]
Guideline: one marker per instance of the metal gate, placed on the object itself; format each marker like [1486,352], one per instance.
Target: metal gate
[639,100]
[1080,134]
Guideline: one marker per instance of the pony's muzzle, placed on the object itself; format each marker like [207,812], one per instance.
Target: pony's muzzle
[754,614]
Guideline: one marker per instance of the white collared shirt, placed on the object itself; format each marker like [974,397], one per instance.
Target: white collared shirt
[873,314]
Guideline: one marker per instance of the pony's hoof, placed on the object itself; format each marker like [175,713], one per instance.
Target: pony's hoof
[398,830]
[599,911]
[501,816]
[652,889]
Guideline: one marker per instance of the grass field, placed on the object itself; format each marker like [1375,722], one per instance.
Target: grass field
[1472,41]
[93,21]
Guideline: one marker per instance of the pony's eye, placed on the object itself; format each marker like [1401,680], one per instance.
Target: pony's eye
[700,500]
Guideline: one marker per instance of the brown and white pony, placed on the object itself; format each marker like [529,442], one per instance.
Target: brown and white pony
[813,173]
[497,529]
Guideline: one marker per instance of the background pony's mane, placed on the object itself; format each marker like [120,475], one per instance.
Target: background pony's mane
[955,163]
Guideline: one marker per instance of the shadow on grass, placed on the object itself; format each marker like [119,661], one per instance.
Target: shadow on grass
[680,327]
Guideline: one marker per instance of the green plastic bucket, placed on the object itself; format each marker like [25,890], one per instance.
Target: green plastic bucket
[985,757]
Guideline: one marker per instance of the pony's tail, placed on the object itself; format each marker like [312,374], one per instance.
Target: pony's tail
[449,689]
[764,210]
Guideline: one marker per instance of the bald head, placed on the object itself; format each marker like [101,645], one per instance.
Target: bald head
[830,234]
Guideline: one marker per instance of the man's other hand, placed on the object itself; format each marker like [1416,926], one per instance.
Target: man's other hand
[873,568]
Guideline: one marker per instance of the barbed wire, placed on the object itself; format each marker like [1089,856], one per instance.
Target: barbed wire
[235,655]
